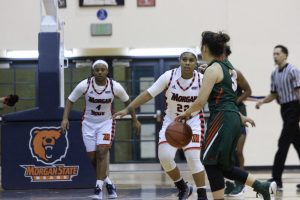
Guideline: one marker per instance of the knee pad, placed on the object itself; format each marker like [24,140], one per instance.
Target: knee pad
[166,155]
[236,174]
[215,177]
[193,160]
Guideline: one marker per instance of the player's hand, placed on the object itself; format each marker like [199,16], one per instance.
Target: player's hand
[137,126]
[11,100]
[121,113]
[258,104]
[246,120]
[64,125]
[202,68]
[183,117]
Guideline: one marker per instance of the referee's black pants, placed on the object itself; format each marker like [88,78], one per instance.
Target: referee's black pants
[290,134]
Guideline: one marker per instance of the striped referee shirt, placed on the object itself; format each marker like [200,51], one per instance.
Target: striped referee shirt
[284,83]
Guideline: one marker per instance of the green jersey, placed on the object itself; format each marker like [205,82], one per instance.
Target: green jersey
[223,95]
[224,123]
[241,106]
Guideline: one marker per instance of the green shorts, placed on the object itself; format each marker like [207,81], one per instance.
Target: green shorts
[220,140]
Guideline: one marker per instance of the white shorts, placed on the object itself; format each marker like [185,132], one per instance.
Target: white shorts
[100,133]
[195,123]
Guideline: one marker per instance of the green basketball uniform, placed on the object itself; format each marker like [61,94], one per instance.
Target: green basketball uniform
[224,123]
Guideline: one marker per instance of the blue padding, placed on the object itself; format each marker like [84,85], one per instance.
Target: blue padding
[19,151]
[48,71]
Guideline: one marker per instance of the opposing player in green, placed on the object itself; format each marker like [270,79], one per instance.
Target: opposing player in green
[225,121]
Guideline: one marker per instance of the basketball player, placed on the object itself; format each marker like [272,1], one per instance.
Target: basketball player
[181,86]
[98,127]
[224,124]
[243,91]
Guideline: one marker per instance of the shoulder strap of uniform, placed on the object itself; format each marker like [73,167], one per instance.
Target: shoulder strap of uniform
[170,80]
[199,80]
[88,83]
[111,85]
[225,63]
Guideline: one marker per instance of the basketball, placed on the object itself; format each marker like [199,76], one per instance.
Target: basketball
[178,134]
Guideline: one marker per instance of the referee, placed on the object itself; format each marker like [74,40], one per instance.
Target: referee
[285,87]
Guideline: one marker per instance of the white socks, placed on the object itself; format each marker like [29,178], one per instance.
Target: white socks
[107,180]
[100,183]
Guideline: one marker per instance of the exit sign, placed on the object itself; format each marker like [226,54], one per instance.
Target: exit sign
[101,29]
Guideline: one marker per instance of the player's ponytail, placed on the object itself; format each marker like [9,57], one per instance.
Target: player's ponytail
[216,42]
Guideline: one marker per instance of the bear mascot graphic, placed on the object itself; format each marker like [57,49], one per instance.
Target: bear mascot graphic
[48,144]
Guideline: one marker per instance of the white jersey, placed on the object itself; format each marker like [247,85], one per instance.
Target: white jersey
[180,93]
[98,99]
[179,97]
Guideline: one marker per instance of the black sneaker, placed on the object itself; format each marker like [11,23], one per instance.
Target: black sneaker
[184,194]
[298,186]
[112,191]
[201,194]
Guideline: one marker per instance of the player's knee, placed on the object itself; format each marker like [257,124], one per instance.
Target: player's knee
[215,177]
[166,161]
[193,160]
[101,153]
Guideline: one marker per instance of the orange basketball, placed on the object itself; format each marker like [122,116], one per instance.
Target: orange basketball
[178,134]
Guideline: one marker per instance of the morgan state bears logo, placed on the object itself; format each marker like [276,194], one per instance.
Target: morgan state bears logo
[48,145]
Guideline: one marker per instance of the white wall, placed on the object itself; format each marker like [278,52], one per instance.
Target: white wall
[255,27]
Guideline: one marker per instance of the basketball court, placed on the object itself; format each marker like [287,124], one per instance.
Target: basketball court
[140,176]
[148,182]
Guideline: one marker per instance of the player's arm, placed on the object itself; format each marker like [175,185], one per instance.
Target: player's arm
[267,99]
[132,113]
[146,95]
[137,102]
[135,122]
[212,75]
[74,96]
[65,121]
[244,85]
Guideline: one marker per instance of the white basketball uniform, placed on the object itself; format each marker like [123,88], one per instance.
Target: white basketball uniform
[180,94]
[98,127]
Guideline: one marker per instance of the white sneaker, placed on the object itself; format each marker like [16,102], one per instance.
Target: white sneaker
[112,191]
[98,193]
[273,190]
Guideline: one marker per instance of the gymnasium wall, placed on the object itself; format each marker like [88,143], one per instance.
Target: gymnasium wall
[255,27]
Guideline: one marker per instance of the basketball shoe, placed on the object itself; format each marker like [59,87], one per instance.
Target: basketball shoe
[112,191]
[98,194]
[266,189]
